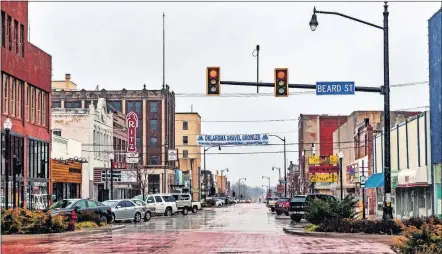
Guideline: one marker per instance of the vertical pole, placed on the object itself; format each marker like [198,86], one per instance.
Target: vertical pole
[388,213]
[14,179]
[257,67]
[165,167]
[106,189]
[239,189]
[7,165]
[164,54]
[205,175]
[285,171]
[340,178]
[363,192]
[112,179]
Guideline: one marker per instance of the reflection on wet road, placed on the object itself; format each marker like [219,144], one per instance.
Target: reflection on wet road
[243,228]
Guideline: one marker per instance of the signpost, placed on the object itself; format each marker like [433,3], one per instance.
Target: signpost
[335,88]
[132,125]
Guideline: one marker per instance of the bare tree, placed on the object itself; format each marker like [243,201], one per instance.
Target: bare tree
[141,175]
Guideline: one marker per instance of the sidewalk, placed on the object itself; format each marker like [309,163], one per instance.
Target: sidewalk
[361,236]
[109,228]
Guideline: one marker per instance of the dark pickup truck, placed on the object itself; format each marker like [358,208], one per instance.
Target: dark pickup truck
[299,202]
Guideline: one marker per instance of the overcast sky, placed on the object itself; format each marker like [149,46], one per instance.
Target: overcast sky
[116,45]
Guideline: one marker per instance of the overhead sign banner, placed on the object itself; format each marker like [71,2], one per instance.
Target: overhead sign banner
[234,139]
[131,125]
[323,160]
[323,178]
[335,88]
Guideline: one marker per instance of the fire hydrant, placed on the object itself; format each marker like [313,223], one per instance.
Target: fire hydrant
[73,221]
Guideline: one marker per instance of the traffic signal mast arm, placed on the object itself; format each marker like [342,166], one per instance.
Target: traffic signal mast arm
[299,86]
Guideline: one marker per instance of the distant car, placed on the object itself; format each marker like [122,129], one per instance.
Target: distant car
[299,202]
[148,210]
[125,209]
[271,203]
[67,206]
[282,206]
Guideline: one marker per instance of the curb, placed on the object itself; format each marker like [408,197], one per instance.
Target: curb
[10,238]
[373,237]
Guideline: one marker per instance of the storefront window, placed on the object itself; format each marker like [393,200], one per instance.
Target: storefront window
[15,151]
[37,195]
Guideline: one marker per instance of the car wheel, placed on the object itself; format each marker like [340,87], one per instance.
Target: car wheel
[168,212]
[185,211]
[147,216]
[103,219]
[272,209]
[137,217]
[112,218]
[286,214]
[194,209]
[278,213]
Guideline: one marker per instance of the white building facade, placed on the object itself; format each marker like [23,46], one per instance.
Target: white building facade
[93,127]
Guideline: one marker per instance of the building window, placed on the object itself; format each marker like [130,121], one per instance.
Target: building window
[3,29]
[56,104]
[153,106]
[13,96]
[22,40]
[6,94]
[28,102]
[33,104]
[8,36]
[19,97]
[44,110]
[153,142]
[57,132]
[72,104]
[114,106]
[153,160]
[185,140]
[154,124]
[185,125]
[40,106]
[16,36]
[185,154]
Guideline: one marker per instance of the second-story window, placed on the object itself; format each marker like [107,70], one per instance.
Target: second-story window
[8,36]
[6,94]
[185,154]
[154,124]
[28,103]
[153,142]
[3,29]
[44,110]
[39,105]
[33,104]
[22,40]
[185,140]
[19,97]
[13,96]
[16,36]
[153,106]
[185,125]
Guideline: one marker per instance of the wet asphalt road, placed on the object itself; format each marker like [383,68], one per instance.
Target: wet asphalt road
[242,228]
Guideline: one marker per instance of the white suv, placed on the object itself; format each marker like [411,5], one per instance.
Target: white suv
[164,203]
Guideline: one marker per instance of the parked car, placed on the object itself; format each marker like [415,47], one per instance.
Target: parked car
[271,203]
[299,202]
[164,203]
[150,206]
[282,206]
[183,202]
[67,206]
[125,209]
[148,210]
[196,205]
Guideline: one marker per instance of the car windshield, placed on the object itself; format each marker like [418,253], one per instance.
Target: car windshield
[110,203]
[66,203]
[283,200]
[298,199]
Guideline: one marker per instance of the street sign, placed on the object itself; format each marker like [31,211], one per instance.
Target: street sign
[280,188]
[282,182]
[131,160]
[335,88]
[362,181]
[132,155]
[172,154]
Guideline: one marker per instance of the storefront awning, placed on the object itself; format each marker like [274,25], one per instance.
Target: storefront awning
[375,181]
[411,177]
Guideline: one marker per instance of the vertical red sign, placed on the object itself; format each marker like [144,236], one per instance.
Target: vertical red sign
[132,125]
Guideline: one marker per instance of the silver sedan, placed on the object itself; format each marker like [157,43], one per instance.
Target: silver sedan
[125,209]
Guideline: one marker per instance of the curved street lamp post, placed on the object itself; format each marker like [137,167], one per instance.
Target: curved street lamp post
[285,164]
[239,186]
[205,172]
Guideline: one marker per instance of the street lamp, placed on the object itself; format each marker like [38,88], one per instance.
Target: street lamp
[341,156]
[7,126]
[285,166]
[205,172]
[257,66]
[388,210]
[268,178]
[239,186]
[222,177]
[111,158]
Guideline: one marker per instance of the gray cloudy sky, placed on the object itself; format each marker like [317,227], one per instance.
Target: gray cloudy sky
[118,45]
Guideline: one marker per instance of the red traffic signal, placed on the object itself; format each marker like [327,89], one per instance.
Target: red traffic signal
[213,81]
[281,82]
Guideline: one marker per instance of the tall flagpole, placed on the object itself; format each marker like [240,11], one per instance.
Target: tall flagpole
[164,54]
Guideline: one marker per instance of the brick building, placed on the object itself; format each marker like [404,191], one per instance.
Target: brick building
[156,121]
[25,96]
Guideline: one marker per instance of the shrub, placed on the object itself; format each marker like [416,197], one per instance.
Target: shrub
[359,226]
[311,228]
[318,210]
[423,240]
[86,224]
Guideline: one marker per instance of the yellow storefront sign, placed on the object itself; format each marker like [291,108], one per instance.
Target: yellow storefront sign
[323,160]
[323,178]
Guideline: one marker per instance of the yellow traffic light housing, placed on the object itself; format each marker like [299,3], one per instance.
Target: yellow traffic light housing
[213,79]
[281,82]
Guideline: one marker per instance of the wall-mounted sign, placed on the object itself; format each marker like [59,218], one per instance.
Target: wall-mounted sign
[323,178]
[323,169]
[132,125]
[66,173]
[172,154]
[323,160]
[234,139]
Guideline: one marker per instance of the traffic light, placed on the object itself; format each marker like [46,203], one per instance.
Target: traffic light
[213,81]
[281,82]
